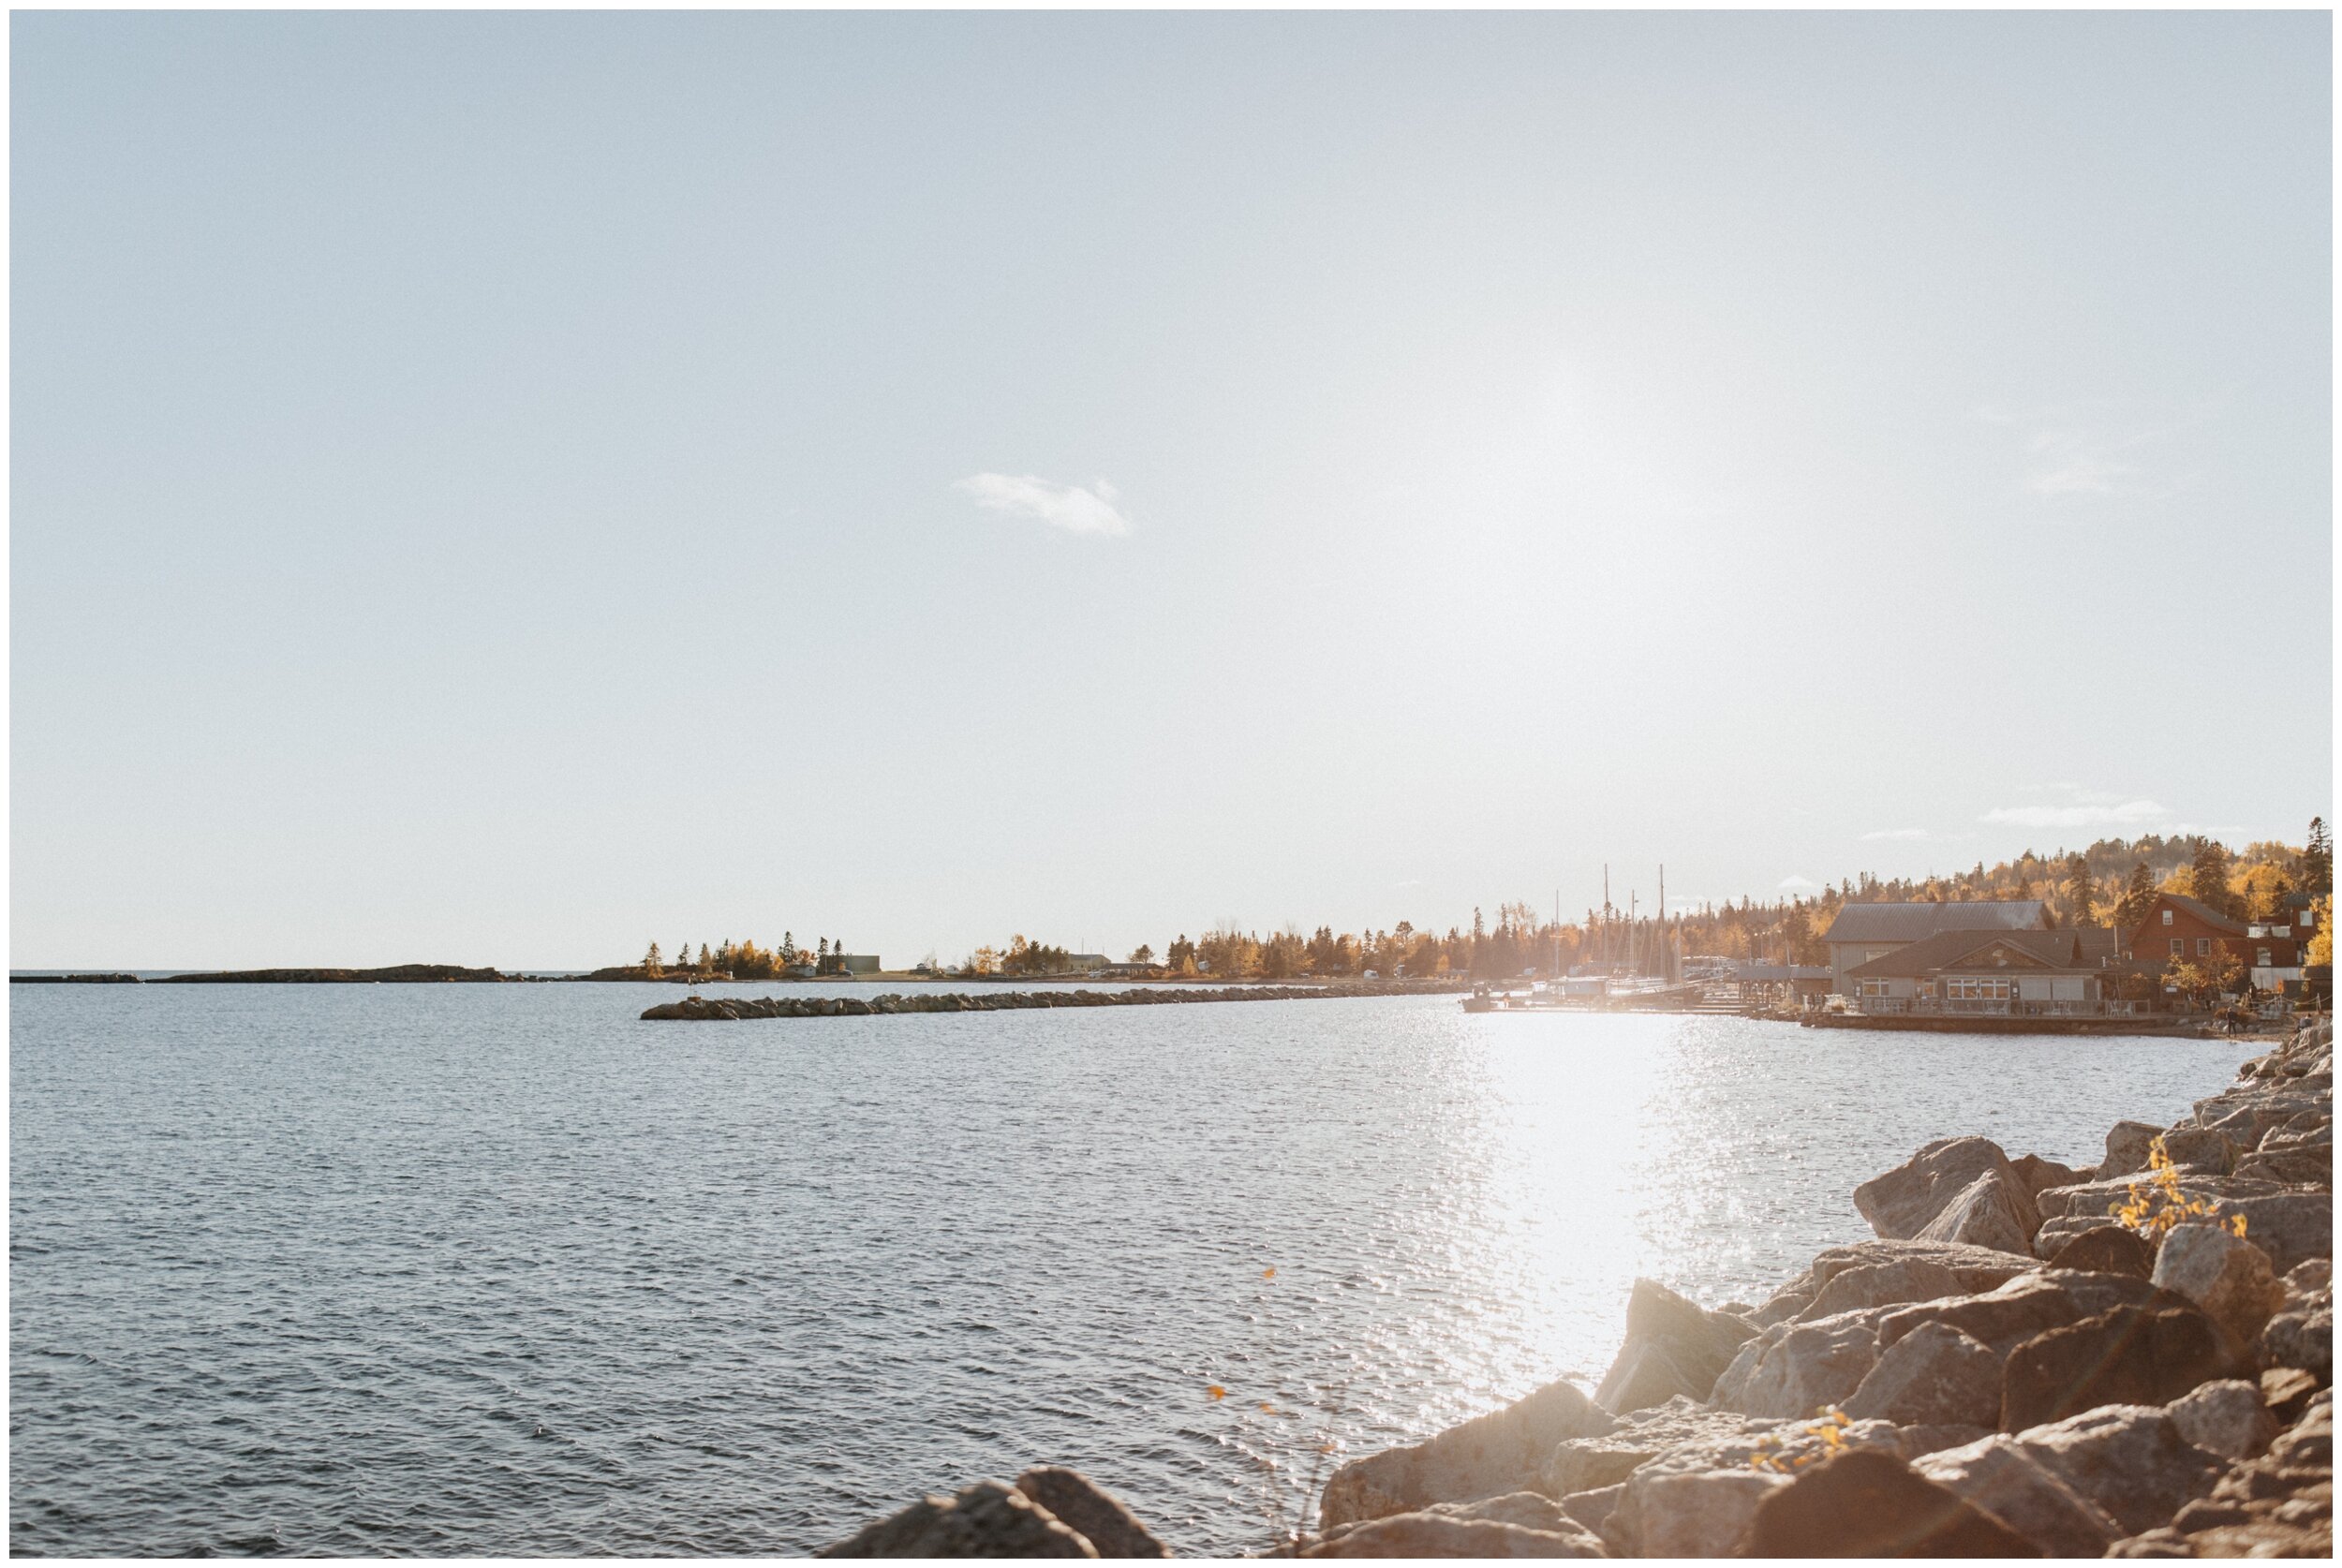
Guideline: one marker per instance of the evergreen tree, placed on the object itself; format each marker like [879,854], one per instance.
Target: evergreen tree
[2318,860]
[2137,895]
[2208,874]
[2077,890]
[652,963]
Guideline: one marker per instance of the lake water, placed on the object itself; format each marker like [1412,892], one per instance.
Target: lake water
[464,1269]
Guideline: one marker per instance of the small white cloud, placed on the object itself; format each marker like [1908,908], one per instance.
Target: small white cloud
[1878,834]
[1069,507]
[1798,884]
[2129,813]
[2082,451]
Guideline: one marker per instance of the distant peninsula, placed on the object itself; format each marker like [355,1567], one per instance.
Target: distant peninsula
[397,974]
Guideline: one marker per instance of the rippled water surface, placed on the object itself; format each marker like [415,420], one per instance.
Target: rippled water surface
[498,1269]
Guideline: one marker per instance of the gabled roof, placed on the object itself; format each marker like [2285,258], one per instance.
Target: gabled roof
[2083,949]
[1911,923]
[2202,910]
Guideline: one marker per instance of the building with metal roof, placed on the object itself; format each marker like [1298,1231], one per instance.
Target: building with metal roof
[1863,931]
[1986,970]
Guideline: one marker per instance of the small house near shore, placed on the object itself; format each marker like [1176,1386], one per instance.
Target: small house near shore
[1865,933]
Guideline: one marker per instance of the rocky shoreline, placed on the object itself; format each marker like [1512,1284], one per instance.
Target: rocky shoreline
[2133,1359]
[731,1008]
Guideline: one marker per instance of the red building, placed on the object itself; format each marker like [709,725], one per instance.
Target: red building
[2179,928]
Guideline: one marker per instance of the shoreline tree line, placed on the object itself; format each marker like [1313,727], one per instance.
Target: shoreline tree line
[2110,883]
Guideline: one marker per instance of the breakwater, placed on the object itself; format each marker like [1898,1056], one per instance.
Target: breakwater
[706,1009]
[2027,1359]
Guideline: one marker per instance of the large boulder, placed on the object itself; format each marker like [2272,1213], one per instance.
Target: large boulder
[1591,1464]
[2224,1274]
[2302,1339]
[1883,1273]
[2127,1146]
[2107,1249]
[1935,1376]
[2011,1313]
[2226,1417]
[1591,1510]
[2130,1355]
[986,1519]
[2200,1148]
[1503,1451]
[1091,1511]
[1673,1346]
[2294,1164]
[1867,1503]
[2292,1227]
[1995,1210]
[2040,1175]
[1520,1524]
[2130,1460]
[1907,1200]
[1798,1368]
[1671,1511]
[2011,1483]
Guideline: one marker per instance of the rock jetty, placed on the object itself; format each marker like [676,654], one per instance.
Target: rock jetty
[2132,1360]
[702,1009]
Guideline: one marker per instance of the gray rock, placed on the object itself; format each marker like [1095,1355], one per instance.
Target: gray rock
[2226,1418]
[1796,1369]
[986,1519]
[2015,1487]
[2302,1338]
[2197,1148]
[2290,1227]
[1904,1202]
[1668,1512]
[1673,1346]
[2104,1248]
[2310,1165]
[2128,1460]
[1089,1511]
[1525,1510]
[2126,1148]
[1995,1210]
[2040,1175]
[1886,1272]
[1934,1376]
[2227,1276]
[1422,1534]
[1917,1441]
[1871,1504]
[2015,1312]
[2278,1505]
[1595,1463]
[2127,1355]
[1591,1510]
[1503,1451]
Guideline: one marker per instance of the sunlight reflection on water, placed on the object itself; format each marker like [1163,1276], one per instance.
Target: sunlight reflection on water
[460,1269]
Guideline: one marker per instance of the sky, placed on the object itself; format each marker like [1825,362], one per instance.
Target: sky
[509,488]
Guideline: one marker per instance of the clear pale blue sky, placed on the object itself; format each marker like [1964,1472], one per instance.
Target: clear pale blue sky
[504,488]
